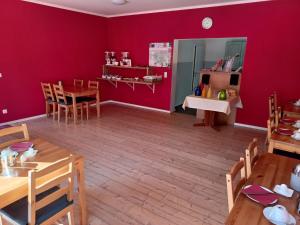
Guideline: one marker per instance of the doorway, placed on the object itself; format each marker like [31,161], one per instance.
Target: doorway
[190,56]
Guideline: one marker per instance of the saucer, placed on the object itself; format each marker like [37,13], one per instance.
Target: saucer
[294,137]
[288,193]
[266,212]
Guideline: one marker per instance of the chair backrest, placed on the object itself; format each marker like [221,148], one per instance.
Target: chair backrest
[78,83]
[14,130]
[57,177]
[251,156]
[271,125]
[93,84]
[47,90]
[60,94]
[278,115]
[272,104]
[234,190]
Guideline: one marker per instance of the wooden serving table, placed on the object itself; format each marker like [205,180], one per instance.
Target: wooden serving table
[269,170]
[211,106]
[75,92]
[291,110]
[14,181]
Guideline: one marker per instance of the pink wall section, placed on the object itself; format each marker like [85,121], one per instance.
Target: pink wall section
[272,54]
[41,43]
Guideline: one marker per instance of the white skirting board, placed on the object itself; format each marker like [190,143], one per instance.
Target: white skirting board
[250,126]
[130,105]
[137,106]
[23,119]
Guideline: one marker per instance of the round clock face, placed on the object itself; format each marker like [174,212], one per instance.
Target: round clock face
[207,23]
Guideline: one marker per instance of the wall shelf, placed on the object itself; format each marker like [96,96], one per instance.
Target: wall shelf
[147,68]
[132,82]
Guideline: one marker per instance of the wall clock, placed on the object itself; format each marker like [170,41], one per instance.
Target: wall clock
[207,23]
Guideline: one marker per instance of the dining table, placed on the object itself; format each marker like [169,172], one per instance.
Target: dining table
[269,170]
[284,142]
[14,180]
[291,110]
[75,91]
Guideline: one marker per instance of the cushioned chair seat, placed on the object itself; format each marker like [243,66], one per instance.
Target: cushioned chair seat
[69,101]
[86,99]
[18,211]
[50,100]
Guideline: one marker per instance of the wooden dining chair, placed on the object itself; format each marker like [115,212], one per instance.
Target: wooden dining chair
[65,103]
[87,101]
[49,99]
[50,196]
[78,83]
[272,104]
[271,127]
[234,190]
[252,155]
[12,131]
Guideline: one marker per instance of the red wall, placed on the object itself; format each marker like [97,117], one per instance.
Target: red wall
[272,54]
[41,43]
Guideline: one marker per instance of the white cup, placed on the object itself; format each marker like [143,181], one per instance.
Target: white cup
[295,182]
[279,213]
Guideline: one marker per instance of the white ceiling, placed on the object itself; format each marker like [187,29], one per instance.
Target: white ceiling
[107,9]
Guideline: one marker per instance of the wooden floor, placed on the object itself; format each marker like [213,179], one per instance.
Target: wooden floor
[145,167]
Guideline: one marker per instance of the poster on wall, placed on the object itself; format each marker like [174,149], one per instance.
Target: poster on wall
[160,54]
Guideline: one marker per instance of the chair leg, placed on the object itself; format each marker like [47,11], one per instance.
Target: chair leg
[58,113]
[66,114]
[54,110]
[71,219]
[47,109]
[2,222]
[87,110]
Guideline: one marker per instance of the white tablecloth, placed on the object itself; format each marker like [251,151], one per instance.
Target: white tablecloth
[212,104]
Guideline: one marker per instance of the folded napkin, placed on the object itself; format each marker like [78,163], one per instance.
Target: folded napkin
[21,146]
[287,120]
[284,131]
[260,195]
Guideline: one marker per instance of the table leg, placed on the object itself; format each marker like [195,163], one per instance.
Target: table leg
[98,103]
[271,146]
[74,108]
[81,191]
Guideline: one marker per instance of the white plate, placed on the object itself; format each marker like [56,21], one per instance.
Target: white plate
[266,212]
[287,194]
[264,189]
[294,137]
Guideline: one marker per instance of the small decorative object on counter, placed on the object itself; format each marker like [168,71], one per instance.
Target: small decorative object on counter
[204,91]
[151,78]
[107,57]
[209,92]
[222,95]
[198,91]
[232,92]
[125,61]
[218,66]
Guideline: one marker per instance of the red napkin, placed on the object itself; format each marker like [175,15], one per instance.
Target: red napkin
[287,120]
[21,146]
[284,131]
[260,195]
